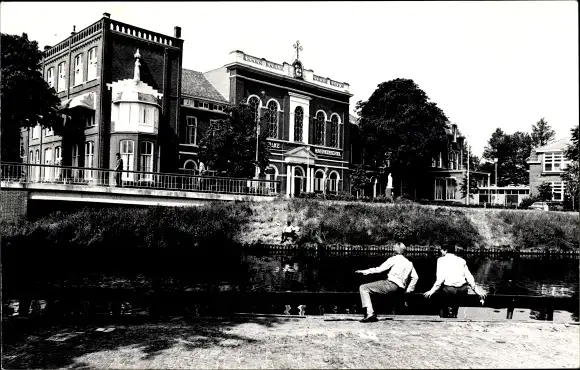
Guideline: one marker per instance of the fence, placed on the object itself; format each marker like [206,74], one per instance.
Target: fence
[384,250]
[26,173]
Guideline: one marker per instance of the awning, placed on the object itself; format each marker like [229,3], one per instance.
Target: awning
[86,101]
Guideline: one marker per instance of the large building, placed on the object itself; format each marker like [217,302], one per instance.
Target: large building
[547,164]
[123,90]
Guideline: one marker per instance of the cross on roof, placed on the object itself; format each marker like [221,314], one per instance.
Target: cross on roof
[298,48]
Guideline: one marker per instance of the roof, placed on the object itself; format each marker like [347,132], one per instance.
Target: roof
[195,84]
[353,119]
[560,144]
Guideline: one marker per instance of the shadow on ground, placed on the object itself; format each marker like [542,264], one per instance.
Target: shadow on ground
[50,346]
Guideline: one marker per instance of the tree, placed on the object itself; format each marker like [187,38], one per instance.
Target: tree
[544,191]
[229,145]
[399,123]
[26,98]
[542,133]
[359,178]
[571,172]
[473,159]
[473,187]
[512,152]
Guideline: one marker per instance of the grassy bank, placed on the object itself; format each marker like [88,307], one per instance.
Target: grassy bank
[330,222]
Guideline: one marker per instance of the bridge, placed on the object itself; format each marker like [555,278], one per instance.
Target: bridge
[24,182]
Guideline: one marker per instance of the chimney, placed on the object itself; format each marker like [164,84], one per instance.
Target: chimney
[177,32]
[107,15]
[74,30]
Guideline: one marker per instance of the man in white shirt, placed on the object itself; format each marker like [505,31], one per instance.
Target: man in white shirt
[453,277]
[400,270]
[290,232]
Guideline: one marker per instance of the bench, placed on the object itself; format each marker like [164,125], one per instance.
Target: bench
[84,301]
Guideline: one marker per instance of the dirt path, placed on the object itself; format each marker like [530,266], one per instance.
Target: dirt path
[338,341]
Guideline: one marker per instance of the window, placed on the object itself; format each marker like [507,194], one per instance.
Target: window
[57,160]
[90,120]
[319,128]
[127,152]
[60,86]
[78,64]
[449,189]
[201,105]
[334,131]
[146,162]
[191,130]
[254,103]
[48,132]
[438,189]
[31,157]
[146,115]
[89,156]
[273,119]
[92,71]
[558,191]
[75,155]
[553,162]
[332,183]
[318,181]
[48,171]
[50,77]
[35,132]
[298,123]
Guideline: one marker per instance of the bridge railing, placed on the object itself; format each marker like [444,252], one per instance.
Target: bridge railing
[26,173]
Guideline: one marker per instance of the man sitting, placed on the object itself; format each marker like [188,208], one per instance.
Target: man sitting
[401,278]
[453,279]
[290,232]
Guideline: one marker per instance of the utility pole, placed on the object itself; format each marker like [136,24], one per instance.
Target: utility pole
[468,183]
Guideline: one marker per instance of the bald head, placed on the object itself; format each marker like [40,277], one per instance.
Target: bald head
[399,248]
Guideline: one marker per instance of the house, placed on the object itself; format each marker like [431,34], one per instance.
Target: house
[547,164]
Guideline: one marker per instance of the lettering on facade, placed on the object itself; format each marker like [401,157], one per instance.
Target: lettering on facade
[263,62]
[336,84]
[333,153]
[274,145]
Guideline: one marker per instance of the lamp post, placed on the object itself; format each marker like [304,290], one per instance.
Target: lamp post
[495,161]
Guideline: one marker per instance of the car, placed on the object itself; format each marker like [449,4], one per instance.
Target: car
[540,206]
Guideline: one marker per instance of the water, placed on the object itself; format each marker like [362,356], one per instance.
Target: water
[538,277]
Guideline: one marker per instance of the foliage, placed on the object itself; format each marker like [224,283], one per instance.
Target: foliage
[512,152]
[357,224]
[572,173]
[528,201]
[154,227]
[542,133]
[359,178]
[544,230]
[399,123]
[229,145]
[544,192]
[26,98]
[473,159]
[473,187]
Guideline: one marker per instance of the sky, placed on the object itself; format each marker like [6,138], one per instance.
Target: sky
[486,64]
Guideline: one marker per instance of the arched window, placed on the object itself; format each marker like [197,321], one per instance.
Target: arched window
[78,73]
[92,70]
[254,103]
[190,167]
[50,77]
[298,123]
[319,128]
[332,183]
[334,131]
[318,181]
[60,85]
[273,119]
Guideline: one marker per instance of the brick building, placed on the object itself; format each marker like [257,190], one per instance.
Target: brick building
[546,166]
[120,88]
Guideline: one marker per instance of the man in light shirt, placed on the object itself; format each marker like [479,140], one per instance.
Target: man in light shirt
[400,270]
[453,278]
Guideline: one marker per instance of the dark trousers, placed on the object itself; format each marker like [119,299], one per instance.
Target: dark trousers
[118,178]
[449,297]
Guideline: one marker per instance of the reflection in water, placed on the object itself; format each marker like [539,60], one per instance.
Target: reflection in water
[542,277]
